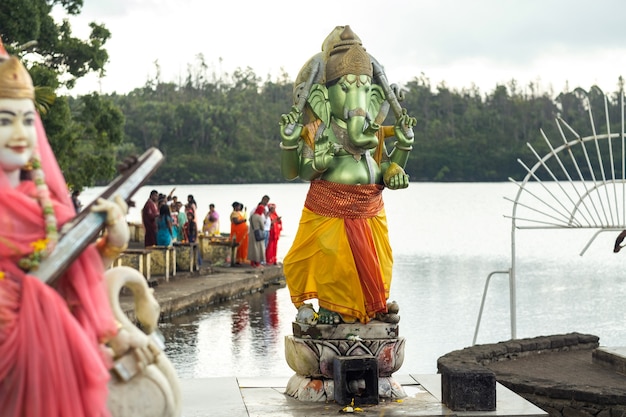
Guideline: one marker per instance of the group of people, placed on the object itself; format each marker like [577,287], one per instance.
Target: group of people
[166,220]
[258,240]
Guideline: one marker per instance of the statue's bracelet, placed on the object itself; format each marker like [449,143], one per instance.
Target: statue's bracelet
[288,147]
[107,250]
[403,148]
[315,169]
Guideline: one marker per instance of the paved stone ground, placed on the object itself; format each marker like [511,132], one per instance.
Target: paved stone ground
[567,368]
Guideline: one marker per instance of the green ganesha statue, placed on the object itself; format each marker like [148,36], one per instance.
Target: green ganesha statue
[333,137]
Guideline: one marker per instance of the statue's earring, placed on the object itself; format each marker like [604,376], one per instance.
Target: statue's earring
[26,171]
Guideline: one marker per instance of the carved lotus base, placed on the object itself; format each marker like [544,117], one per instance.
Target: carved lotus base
[322,389]
[310,352]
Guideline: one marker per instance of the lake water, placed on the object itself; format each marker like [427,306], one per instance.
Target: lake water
[446,239]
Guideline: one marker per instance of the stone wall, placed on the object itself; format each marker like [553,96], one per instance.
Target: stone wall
[558,398]
[214,250]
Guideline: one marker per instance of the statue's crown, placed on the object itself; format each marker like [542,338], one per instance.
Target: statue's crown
[348,57]
[15,81]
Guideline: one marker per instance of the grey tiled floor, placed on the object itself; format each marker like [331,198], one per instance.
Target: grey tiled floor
[261,397]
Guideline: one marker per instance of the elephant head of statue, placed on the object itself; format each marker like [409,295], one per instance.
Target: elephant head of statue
[348,95]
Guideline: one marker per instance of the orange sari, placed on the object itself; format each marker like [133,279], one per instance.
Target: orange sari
[239,233]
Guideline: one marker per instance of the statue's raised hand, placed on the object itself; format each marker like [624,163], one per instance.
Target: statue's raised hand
[117,232]
[404,129]
[290,127]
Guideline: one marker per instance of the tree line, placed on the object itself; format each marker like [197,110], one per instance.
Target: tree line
[225,130]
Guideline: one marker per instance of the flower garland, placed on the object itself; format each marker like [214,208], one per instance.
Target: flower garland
[42,247]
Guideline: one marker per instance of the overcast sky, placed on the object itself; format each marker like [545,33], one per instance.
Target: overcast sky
[552,43]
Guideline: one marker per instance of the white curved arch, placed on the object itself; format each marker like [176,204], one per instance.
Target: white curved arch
[591,197]
[572,186]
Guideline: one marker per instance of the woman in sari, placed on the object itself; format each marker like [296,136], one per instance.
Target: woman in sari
[192,205]
[211,223]
[275,228]
[165,233]
[256,246]
[239,232]
[52,358]
[182,220]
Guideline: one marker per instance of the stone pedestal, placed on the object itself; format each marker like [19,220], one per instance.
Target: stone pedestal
[466,388]
[312,349]
[137,232]
[162,260]
[187,257]
[215,250]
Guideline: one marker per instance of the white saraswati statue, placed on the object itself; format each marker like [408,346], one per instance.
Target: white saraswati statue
[66,349]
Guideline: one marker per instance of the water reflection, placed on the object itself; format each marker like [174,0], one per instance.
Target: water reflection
[256,318]
[439,298]
[241,337]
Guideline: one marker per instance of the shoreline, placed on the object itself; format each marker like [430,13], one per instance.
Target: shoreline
[190,291]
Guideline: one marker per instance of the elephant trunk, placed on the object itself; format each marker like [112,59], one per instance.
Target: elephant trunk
[358,124]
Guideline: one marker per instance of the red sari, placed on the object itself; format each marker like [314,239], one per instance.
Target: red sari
[272,243]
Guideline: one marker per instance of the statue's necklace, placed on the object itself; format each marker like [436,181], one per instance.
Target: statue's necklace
[43,247]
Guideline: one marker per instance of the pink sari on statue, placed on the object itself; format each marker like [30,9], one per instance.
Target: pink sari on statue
[51,359]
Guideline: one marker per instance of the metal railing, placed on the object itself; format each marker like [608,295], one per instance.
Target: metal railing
[482,303]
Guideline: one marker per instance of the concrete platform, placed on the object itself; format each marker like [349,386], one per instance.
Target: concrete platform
[190,291]
[570,370]
[243,397]
[565,381]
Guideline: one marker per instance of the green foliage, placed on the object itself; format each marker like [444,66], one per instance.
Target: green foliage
[97,131]
[26,21]
[223,131]
[226,130]
[463,136]
[85,134]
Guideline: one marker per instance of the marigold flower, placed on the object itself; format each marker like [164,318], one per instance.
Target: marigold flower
[39,245]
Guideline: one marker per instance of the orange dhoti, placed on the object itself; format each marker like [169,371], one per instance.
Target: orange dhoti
[341,253]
